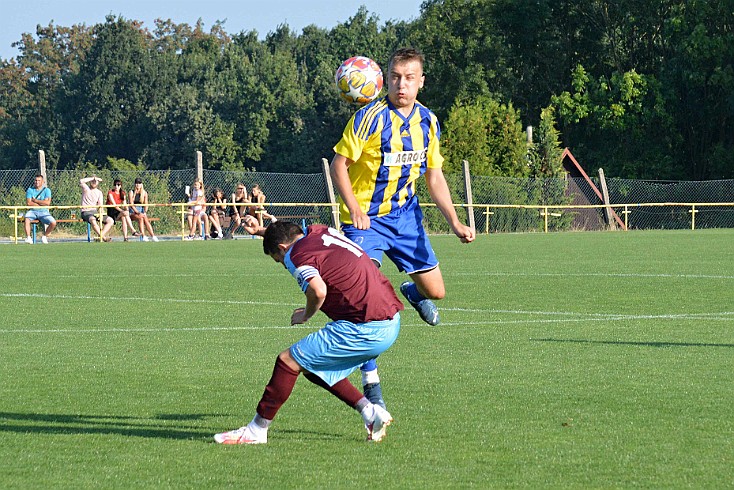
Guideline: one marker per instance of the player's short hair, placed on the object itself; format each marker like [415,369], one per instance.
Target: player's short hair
[278,233]
[404,55]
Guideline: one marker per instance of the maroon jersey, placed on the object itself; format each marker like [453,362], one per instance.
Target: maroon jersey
[356,290]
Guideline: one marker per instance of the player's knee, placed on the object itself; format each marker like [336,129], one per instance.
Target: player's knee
[433,291]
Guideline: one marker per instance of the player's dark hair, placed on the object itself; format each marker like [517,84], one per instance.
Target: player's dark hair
[404,55]
[278,233]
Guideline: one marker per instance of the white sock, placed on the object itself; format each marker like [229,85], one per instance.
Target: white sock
[370,377]
[368,414]
[259,424]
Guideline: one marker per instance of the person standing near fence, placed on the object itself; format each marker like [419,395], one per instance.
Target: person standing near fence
[91,200]
[386,146]
[37,198]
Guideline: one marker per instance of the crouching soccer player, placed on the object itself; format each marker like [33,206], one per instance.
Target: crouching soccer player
[339,279]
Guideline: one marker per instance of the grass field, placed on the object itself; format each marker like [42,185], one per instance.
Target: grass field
[569,360]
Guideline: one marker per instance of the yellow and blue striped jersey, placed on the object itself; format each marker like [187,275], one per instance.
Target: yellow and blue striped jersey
[389,151]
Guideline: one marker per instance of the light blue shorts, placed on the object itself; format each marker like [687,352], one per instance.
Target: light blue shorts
[341,347]
[43,216]
[399,235]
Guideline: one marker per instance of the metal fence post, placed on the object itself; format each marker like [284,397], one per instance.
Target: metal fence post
[42,164]
[469,197]
[693,212]
[607,208]
[330,192]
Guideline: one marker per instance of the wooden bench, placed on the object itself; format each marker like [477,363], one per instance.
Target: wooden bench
[302,217]
[35,223]
[227,221]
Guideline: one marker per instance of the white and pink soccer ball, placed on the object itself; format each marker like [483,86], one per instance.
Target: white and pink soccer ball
[359,80]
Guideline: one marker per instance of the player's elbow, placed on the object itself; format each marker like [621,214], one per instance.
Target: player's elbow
[320,293]
[316,290]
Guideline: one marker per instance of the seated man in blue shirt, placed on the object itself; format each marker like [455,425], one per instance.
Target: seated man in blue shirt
[37,197]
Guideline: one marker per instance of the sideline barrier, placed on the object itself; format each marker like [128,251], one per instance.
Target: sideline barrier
[545,212]
[17,217]
[17,214]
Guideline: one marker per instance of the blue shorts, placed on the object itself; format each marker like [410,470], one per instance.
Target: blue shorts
[400,236]
[41,215]
[341,347]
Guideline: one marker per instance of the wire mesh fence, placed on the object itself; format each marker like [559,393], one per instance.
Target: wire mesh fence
[672,216]
[501,204]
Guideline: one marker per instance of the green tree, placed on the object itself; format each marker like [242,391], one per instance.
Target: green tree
[463,52]
[31,88]
[544,154]
[488,134]
[109,99]
[619,124]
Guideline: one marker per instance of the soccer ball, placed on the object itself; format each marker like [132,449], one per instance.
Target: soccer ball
[359,80]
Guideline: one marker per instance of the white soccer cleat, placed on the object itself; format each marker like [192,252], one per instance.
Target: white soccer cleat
[44,239]
[155,238]
[146,239]
[29,240]
[243,435]
[376,420]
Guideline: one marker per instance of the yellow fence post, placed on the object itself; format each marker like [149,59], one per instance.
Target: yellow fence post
[487,213]
[16,219]
[183,222]
[693,216]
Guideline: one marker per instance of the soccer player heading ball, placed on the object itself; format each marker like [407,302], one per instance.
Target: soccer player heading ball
[386,146]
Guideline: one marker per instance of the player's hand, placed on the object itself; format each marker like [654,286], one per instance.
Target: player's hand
[360,220]
[299,316]
[465,233]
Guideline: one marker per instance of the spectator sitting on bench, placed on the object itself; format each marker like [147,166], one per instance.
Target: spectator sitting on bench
[197,211]
[237,210]
[118,198]
[91,200]
[257,198]
[216,213]
[138,198]
[37,197]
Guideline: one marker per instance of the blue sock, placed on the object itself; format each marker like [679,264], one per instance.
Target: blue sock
[412,293]
[370,365]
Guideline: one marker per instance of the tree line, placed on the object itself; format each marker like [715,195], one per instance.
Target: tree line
[642,88]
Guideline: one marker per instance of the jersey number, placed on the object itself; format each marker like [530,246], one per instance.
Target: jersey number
[335,238]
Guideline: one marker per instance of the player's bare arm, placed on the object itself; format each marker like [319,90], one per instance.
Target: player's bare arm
[340,176]
[439,191]
[315,296]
